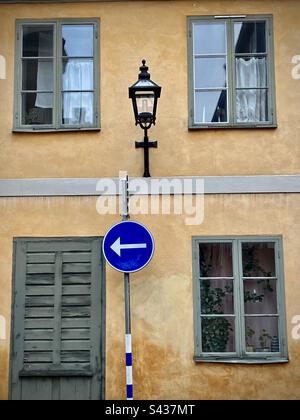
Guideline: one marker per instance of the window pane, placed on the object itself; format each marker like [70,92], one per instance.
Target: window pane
[209,38]
[37,108]
[217,297]
[38,41]
[211,106]
[215,260]
[258,259]
[252,105]
[250,37]
[218,334]
[210,73]
[260,296]
[78,74]
[78,40]
[262,334]
[78,108]
[251,72]
[37,75]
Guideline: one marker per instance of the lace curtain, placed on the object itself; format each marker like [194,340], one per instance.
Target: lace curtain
[78,106]
[251,104]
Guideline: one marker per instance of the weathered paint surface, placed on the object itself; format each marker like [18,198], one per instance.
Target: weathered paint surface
[157,31]
[162,317]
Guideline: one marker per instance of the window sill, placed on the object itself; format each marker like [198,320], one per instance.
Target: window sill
[233,127]
[54,130]
[236,361]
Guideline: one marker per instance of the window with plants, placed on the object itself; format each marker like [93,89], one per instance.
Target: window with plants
[239,299]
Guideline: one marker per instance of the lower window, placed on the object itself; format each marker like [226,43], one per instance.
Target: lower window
[239,300]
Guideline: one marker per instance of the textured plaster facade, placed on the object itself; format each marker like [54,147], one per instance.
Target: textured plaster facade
[162,301]
[157,31]
[162,314]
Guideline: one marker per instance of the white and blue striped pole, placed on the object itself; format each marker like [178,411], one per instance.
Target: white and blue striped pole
[128,345]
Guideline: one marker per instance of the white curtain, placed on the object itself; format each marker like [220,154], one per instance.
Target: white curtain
[251,103]
[78,106]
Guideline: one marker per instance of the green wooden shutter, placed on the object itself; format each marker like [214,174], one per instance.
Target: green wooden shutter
[57,319]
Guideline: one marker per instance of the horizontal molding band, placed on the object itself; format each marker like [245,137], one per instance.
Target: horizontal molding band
[65,1]
[56,187]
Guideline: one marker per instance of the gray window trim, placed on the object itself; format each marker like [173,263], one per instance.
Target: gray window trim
[240,356]
[56,126]
[272,123]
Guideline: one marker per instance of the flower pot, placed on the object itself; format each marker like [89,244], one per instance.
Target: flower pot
[249,349]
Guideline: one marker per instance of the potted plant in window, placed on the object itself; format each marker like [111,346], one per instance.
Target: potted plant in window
[265,342]
[249,334]
[215,331]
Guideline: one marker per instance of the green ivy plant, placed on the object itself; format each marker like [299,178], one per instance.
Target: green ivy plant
[253,269]
[215,331]
[249,334]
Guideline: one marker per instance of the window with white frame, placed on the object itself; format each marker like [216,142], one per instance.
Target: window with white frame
[56,75]
[239,299]
[231,72]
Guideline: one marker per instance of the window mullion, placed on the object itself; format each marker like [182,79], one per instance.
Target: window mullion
[58,67]
[239,298]
[282,333]
[18,82]
[231,71]
[270,71]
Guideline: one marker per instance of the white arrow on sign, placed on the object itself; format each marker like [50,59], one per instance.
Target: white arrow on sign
[117,247]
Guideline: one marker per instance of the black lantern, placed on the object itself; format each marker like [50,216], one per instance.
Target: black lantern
[144,95]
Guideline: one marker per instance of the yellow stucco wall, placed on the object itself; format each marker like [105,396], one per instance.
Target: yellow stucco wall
[162,314]
[162,293]
[156,31]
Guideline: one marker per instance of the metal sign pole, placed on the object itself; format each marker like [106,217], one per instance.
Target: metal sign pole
[128,342]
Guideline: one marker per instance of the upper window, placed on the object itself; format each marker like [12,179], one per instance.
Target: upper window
[56,75]
[239,300]
[231,72]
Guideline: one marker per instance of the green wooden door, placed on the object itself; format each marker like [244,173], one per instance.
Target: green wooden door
[58,322]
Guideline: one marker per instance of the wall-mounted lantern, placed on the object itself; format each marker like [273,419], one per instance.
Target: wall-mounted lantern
[144,95]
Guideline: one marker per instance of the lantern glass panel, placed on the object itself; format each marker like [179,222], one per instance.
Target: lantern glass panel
[145,102]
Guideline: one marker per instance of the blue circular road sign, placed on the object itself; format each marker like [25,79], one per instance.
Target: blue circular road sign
[128,246]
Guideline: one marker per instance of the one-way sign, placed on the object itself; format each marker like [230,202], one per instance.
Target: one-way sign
[128,246]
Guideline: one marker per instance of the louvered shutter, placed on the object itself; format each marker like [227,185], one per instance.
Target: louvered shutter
[59,325]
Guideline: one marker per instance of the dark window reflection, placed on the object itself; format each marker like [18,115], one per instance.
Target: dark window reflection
[37,108]
[258,259]
[216,260]
[37,75]
[37,41]
[250,37]
[211,106]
